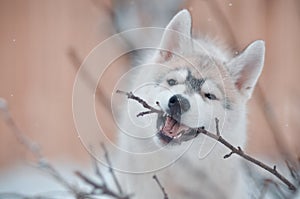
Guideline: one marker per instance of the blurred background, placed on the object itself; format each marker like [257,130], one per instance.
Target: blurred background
[43,43]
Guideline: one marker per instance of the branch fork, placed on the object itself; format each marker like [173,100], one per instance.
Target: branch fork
[216,136]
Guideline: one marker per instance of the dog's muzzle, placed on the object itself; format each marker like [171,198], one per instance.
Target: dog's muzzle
[178,105]
[169,125]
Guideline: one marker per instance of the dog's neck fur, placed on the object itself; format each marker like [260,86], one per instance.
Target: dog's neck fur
[200,171]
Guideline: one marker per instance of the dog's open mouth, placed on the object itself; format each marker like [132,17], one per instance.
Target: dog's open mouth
[170,130]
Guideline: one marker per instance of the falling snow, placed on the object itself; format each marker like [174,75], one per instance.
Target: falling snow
[230,4]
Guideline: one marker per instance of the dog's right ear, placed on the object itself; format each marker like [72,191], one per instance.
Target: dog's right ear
[247,67]
[176,35]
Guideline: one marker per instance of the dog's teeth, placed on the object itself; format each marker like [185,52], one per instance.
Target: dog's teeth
[178,136]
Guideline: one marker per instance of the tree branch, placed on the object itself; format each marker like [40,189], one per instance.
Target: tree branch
[105,190]
[31,146]
[101,187]
[44,165]
[220,139]
[111,169]
[161,187]
[240,152]
[130,95]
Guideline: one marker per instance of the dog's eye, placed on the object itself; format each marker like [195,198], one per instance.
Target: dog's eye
[172,82]
[210,96]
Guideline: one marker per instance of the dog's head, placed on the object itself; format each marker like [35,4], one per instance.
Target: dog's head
[201,83]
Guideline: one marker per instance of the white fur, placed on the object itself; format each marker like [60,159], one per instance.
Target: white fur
[248,66]
[199,170]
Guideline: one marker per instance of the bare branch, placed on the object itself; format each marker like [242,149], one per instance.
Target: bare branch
[100,187]
[220,139]
[98,172]
[31,146]
[111,169]
[130,95]
[217,126]
[103,188]
[161,187]
[144,113]
[293,171]
[228,155]
[240,152]
[48,168]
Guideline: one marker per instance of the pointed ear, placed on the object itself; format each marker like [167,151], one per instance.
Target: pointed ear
[176,35]
[246,67]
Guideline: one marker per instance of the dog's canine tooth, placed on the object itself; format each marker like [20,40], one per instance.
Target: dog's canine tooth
[179,135]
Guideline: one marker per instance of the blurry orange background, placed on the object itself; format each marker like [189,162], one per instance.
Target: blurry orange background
[44,42]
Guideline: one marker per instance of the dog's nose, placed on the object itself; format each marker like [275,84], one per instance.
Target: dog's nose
[177,103]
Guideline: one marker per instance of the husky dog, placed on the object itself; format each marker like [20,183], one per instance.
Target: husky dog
[193,81]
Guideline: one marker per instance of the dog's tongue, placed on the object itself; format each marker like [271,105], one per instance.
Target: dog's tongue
[171,127]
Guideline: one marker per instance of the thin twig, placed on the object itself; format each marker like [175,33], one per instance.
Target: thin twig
[240,152]
[293,172]
[161,187]
[47,167]
[220,139]
[97,169]
[111,169]
[217,126]
[104,189]
[130,95]
[34,149]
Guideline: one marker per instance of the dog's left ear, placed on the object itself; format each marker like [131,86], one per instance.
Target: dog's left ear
[176,35]
[246,67]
